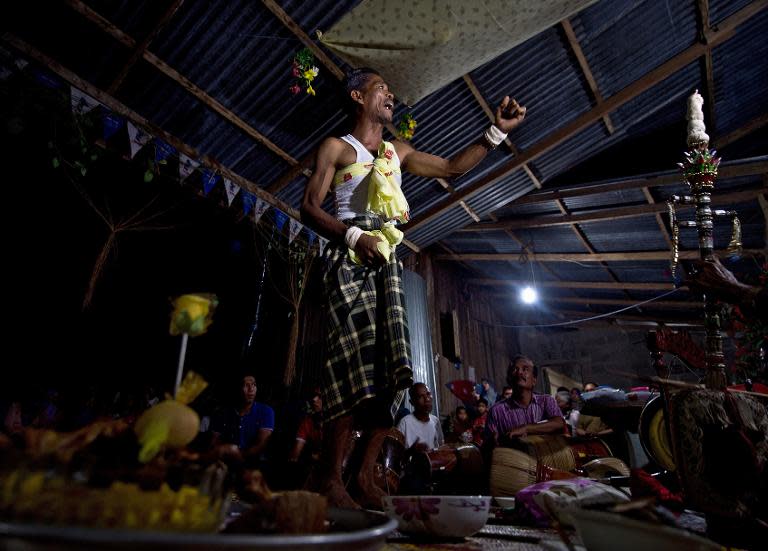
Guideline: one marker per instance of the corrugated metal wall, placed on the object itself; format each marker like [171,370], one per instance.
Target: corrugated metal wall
[421,339]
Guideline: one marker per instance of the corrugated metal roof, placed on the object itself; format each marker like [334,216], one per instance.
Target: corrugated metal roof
[606,199]
[552,239]
[530,209]
[625,39]
[579,271]
[640,233]
[636,271]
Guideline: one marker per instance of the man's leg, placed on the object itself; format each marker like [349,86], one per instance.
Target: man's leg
[337,437]
[371,494]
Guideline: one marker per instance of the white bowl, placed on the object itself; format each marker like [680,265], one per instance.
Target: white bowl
[600,531]
[442,516]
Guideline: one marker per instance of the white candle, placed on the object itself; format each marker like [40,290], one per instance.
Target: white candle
[696,129]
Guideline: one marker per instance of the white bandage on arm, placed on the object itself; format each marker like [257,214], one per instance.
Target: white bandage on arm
[494,136]
[352,235]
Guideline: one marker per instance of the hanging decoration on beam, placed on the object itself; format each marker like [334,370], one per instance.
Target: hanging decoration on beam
[406,127]
[304,71]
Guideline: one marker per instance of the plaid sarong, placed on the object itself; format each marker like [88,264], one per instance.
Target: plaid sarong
[369,348]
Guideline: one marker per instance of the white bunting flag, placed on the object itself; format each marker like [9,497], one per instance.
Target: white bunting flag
[137,138]
[232,190]
[322,242]
[294,229]
[187,166]
[82,103]
[259,208]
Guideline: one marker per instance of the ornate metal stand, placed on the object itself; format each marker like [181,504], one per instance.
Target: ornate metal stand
[699,172]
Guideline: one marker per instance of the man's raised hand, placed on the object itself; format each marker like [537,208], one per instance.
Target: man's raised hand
[509,114]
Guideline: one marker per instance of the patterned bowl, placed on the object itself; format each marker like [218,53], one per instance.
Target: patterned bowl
[442,516]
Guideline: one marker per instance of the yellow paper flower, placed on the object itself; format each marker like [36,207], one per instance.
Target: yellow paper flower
[192,314]
[309,76]
[310,90]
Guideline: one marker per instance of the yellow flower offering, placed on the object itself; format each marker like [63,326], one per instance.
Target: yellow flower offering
[192,314]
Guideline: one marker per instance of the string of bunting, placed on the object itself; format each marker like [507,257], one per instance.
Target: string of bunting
[83,104]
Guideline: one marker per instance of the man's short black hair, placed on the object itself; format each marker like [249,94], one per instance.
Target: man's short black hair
[356,78]
[412,390]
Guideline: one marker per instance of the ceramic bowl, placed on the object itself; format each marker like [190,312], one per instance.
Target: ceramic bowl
[440,516]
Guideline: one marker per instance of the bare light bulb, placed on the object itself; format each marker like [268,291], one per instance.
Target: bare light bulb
[529,295]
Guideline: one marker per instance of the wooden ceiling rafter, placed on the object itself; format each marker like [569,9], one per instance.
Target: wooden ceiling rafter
[708,77]
[118,107]
[141,47]
[749,168]
[617,213]
[573,42]
[725,30]
[607,285]
[673,304]
[200,94]
[589,257]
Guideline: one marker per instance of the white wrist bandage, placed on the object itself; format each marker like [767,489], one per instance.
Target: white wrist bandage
[352,235]
[494,136]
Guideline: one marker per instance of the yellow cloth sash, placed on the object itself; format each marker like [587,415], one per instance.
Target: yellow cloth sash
[385,197]
[389,237]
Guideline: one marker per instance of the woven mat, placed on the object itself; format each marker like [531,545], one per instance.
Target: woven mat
[492,536]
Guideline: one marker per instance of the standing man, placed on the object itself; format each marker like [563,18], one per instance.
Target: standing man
[524,412]
[368,342]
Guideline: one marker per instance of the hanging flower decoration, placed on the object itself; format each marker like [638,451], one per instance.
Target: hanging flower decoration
[406,127]
[304,70]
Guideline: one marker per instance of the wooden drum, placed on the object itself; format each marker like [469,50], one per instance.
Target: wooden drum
[512,470]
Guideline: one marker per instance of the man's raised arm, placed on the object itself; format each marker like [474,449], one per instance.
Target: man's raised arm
[508,115]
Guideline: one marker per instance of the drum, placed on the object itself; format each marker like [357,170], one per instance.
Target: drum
[512,470]
[605,467]
[451,469]
[560,452]
[654,437]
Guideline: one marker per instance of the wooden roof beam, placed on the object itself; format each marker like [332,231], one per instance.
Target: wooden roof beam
[585,257]
[702,10]
[725,31]
[140,48]
[138,119]
[609,285]
[726,170]
[180,79]
[672,304]
[585,70]
[607,214]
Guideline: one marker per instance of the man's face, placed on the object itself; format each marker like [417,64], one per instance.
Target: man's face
[249,389]
[507,393]
[422,399]
[589,387]
[522,374]
[317,404]
[378,101]
[575,396]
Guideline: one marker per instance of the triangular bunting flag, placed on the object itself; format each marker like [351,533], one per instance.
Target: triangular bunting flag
[137,138]
[322,242]
[311,236]
[163,150]
[232,190]
[280,219]
[112,123]
[47,79]
[294,229]
[209,180]
[187,166]
[81,102]
[249,199]
[21,63]
[259,208]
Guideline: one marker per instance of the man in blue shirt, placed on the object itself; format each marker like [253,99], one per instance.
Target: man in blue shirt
[248,426]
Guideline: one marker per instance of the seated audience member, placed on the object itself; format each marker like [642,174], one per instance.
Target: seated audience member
[420,428]
[247,426]
[487,391]
[524,412]
[478,425]
[575,398]
[590,425]
[589,387]
[309,436]
[12,420]
[461,426]
[506,393]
